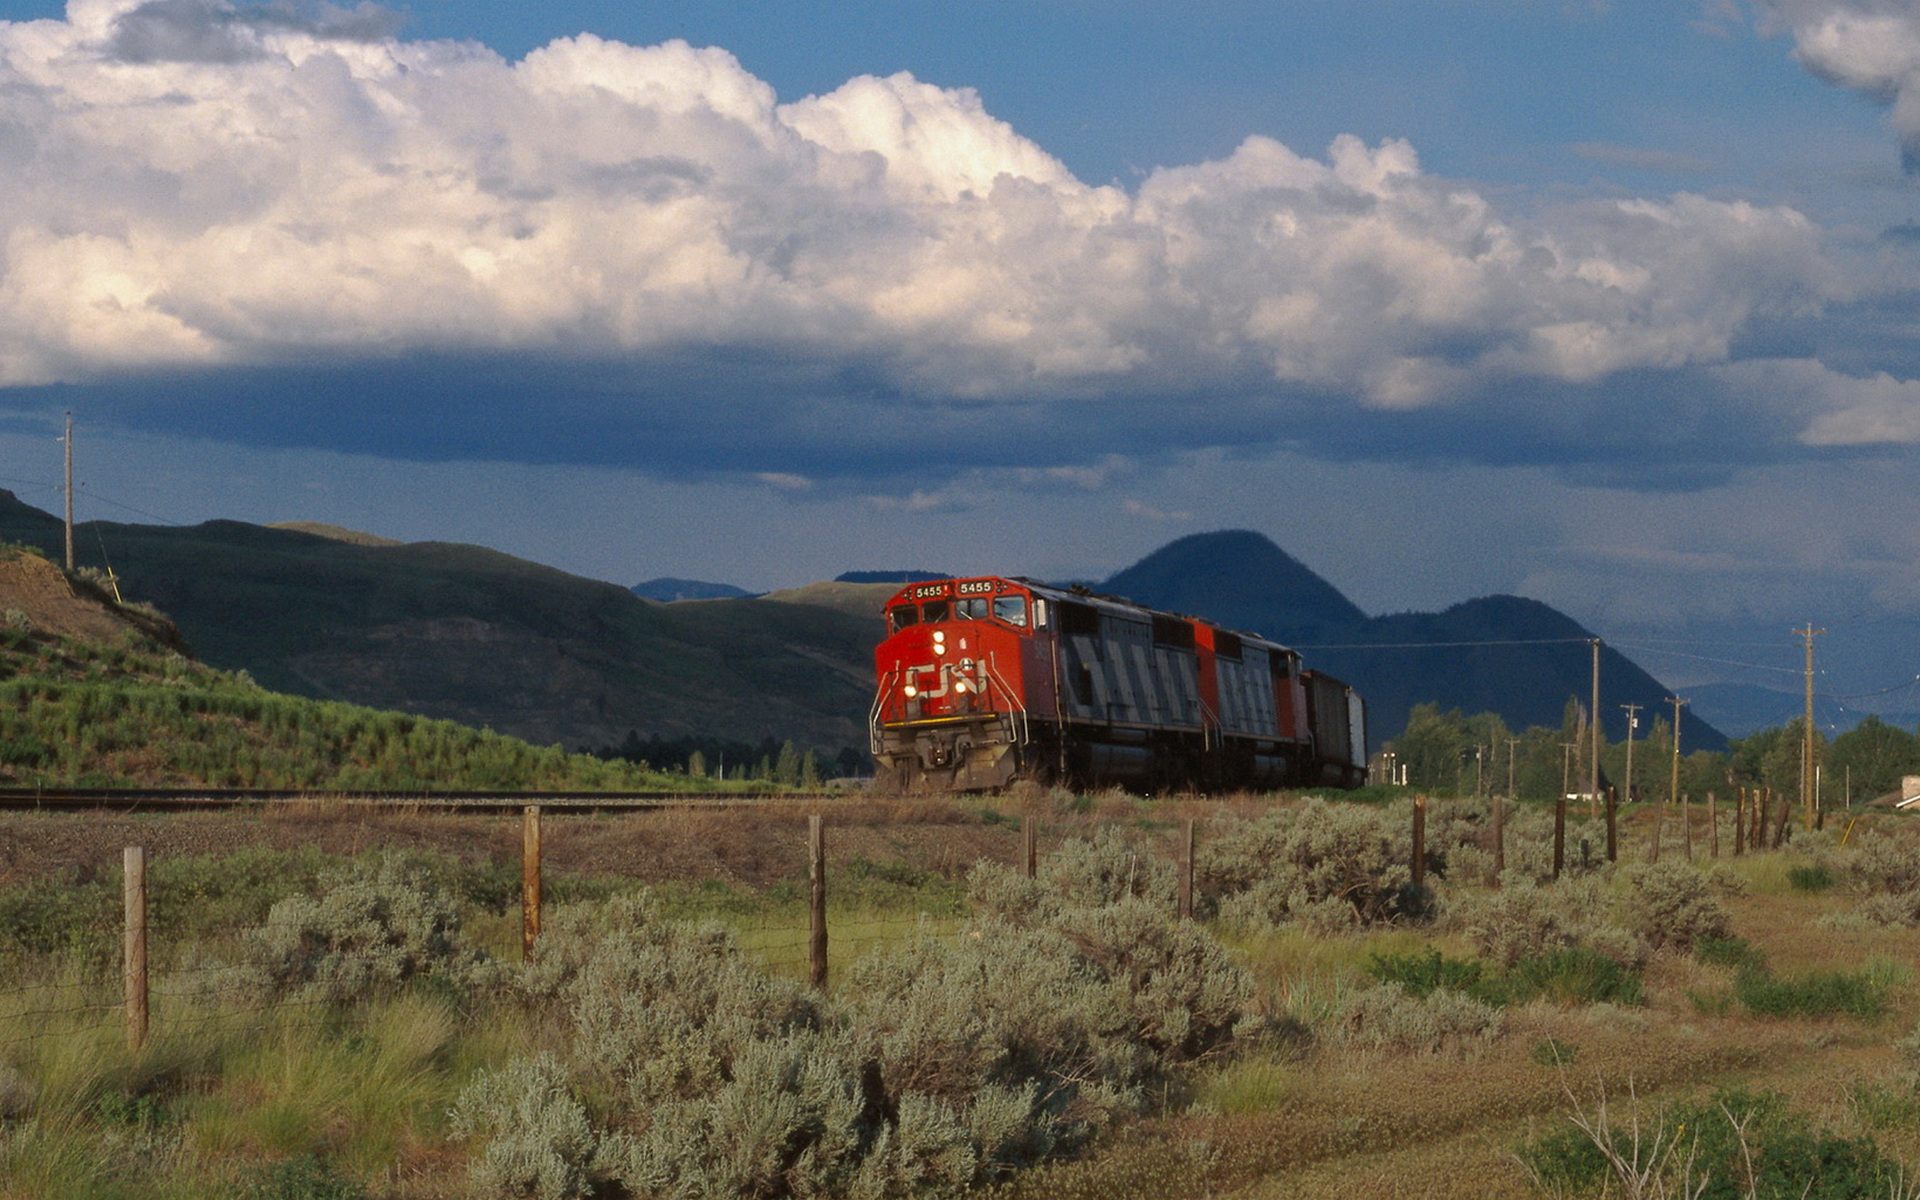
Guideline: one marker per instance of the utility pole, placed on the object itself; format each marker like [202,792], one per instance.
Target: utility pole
[70,492]
[1633,722]
[1673,789]
[1808,799]
[1512,743]
[1593,767]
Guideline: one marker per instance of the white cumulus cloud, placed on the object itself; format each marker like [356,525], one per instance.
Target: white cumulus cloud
[194,185]
[1870,46]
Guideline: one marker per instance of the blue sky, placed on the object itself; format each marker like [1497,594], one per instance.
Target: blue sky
[1608,303]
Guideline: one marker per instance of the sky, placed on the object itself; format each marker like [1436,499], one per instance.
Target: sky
[1611,303]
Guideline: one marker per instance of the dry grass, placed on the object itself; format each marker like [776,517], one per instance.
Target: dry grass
[1292,1119]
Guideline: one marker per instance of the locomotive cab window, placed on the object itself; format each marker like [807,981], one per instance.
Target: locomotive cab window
[1011,609]
[903,616]
[970,608]
[935,610]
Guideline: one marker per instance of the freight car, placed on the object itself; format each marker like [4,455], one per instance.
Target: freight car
[984,681]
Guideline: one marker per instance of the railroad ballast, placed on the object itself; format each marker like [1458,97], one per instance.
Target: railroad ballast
[983,681]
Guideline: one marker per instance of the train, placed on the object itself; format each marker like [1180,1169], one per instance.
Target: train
[987,680]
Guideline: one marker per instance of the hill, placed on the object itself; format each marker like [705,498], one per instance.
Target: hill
[1504,654]
[667,590]
[486,639]
[1243,581]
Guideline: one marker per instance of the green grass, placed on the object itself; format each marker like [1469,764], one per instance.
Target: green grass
[79,714]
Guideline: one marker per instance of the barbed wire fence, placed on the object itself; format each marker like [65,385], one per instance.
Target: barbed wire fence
[178,973]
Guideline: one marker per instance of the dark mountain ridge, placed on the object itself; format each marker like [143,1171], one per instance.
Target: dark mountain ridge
[1505,654]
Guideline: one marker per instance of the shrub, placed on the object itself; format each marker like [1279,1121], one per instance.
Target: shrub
[1386,1017]
[1823,993]
[1814,877]
[379,923]
[1421,973]
[1524,920]
[1326,866]
[1730,952]
[949,1062]
[303,1178]
[537,1139]
[1573,975]
[1880,865]
[1671,906]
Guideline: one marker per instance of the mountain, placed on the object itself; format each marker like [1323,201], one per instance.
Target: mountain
[1744,709]
[667,590]
[1244,582]
[484,638]
[1505,654]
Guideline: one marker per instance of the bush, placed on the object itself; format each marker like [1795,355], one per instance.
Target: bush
[1386,1017]
[1734,952]
[1326,866]
[1524,920]
[949,1062]
[1823,993]
[1573,975]
[304,1178]
[1880,865]
[1672,906]
[378,924]
[1421,973]
[537,1140]
[1815,877]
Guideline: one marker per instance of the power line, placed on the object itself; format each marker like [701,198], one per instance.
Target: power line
[1444,645]
[1725,662]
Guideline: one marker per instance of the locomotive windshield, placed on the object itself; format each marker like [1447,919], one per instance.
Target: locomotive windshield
[1011,609]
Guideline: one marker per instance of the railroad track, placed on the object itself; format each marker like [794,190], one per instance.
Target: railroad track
[193,799]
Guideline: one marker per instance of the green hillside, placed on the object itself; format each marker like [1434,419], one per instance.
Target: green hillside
[483,638]
[135,713]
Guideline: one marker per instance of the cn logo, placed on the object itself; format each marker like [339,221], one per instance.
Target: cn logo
[965,676]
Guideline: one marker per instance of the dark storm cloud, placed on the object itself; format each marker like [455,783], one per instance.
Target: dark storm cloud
[210,31]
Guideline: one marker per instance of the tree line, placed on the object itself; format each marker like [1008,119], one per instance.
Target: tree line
[1447,751]
[769,760]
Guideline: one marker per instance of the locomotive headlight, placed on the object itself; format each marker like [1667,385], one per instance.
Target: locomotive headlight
[911,691]
[959,685]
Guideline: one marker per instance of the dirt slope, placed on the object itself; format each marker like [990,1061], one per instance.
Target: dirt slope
[35,591]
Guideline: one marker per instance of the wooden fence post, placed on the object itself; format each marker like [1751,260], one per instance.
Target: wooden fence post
[529,879]
[1029,846]
[1653,845]
[1613,824]
[1559,832]
[1740,822]
[1786,819]
[1499,838]
[817,906]
[1419,841]
[1713,827]
[1186,872]
[134,871]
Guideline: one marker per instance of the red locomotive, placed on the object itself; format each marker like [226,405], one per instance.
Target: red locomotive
[984,681]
